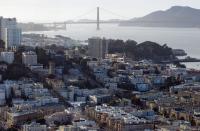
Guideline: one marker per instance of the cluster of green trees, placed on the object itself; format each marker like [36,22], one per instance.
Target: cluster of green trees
[2,44]
[16,71]
[145,50]
[42,57]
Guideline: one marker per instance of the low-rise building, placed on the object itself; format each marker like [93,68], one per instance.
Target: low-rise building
[7,57]
[115,118]
[34,127]
[29,58]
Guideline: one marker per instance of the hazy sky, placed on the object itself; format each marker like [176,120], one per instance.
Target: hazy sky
[61,10]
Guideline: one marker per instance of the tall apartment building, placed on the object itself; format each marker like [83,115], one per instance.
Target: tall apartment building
[9,32]
[97,47]
[29,58]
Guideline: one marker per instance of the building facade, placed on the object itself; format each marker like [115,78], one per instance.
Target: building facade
[52,68]
[9,32]
[34,127]
[7,57]
[97,47]
[29,58]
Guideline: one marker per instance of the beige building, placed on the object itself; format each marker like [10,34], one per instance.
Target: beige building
[118,123]
[69,128]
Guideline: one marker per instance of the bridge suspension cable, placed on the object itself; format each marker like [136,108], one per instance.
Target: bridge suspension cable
[95,11]
[101,9]
[84,14]
[113,13]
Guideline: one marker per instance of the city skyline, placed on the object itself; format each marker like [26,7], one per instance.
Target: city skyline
[99,65]
[28,10]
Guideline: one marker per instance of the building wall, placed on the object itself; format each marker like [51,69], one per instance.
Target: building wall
[34,127]
[9,32]
[29,58]
[97,47]
[7,57]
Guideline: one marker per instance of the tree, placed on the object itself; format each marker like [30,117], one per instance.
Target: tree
[43,58]
[12,129]
[2,44]
[157,71]
[16,71]
[83,62]
[179,65]
[41,121]
[57,123]
[121,66]
[145,50]
[18,55]
[172,81]
[193,123]
[135,100]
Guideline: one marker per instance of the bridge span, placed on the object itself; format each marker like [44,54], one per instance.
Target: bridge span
[63,25]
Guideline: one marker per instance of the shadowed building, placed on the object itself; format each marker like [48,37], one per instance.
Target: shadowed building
[97,47]
[51,68]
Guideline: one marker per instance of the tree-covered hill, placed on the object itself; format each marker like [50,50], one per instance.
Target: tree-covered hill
[145,50]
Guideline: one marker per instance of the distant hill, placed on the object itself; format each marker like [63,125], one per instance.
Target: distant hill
[176,16]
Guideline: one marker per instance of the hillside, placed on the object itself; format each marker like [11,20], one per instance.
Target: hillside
[145,50]
[176,16]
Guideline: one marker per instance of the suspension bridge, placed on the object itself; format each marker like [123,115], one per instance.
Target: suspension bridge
[63,25]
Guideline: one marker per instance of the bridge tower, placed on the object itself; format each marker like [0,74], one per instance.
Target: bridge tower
[54,25]
[65,25]
[98,19]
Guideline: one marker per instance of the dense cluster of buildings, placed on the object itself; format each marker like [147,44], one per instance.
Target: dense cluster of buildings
[170,92]
[121,118]
[35,40]
[29,101]
[82,89]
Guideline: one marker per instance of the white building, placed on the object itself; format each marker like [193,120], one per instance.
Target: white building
[9,32]
[29,58]
[34,127]
[7,57]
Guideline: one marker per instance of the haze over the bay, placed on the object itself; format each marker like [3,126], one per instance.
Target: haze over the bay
[61,10]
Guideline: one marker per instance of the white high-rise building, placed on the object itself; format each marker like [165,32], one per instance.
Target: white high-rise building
[9,32]
[29,58]
[7,57]
[97,47]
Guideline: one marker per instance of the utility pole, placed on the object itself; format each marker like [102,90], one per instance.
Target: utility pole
[98,19]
